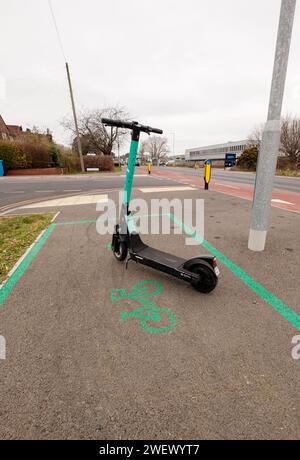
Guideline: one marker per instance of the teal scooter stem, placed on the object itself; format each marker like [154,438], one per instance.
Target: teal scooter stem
[201,272]
[134,146]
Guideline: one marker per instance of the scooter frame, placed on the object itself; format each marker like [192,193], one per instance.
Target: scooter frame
[202,271]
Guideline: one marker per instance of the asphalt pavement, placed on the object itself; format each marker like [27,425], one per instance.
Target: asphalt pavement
[25,188]
[214,366]
[291,184]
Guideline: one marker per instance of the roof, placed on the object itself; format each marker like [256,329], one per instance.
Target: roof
[3,127]
[219,146]
[14,130]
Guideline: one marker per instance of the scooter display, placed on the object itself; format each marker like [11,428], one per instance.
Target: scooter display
[201,272]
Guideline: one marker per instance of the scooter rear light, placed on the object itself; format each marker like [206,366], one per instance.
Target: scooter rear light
[215,262]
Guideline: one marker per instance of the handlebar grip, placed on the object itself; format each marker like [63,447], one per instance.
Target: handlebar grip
[156,131]
[116,123]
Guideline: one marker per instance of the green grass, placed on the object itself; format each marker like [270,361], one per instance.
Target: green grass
[288,172]
[16,235]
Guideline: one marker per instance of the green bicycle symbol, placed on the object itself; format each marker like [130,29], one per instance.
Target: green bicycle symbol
[149,312]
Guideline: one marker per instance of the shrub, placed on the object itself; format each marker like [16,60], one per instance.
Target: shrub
[69,159]
[103,162]
[12,155]
[36,150]
[248,159]
[54,155]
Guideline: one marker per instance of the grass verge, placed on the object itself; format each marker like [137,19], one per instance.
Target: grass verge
[288,172]
[17,233]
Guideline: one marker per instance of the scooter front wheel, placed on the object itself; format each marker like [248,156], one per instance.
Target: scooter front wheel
[120,251]
[207,280]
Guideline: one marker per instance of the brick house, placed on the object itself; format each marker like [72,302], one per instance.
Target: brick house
[13,131]
[4,131]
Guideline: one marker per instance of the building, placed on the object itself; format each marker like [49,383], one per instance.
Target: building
[14,131]
[4,132]
[10,132]
[216,152]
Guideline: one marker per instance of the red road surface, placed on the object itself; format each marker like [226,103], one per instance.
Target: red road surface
[281,198]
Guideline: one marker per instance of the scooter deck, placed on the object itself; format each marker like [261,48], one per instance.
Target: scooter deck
[160,257]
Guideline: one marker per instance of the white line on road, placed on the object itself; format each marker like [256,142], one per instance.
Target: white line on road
[44,191]
[229,186]
[282,202]
[72,190]
[165,189]
[8,193]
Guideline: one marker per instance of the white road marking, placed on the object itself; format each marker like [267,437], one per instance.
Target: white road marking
[69,201]
[165,189]
[8,193]
[282,202]
[73,190]
[45,191]
[55,216]
[136,175]
[229,186]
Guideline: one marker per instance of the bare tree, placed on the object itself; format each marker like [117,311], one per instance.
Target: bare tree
[290,139]
[156,147]
[95,136]
[255,136]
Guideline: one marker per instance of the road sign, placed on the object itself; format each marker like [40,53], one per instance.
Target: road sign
[230,160]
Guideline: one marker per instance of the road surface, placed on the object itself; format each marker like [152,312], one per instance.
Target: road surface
[33,188]
[291,184]
[77,368]
[18,189]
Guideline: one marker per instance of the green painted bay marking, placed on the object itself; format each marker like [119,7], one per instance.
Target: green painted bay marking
[19,272]
[76,222]
[285,311]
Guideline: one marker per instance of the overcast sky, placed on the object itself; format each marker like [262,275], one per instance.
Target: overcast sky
[199,68]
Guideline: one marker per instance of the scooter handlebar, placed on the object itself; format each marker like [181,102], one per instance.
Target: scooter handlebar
[130,125]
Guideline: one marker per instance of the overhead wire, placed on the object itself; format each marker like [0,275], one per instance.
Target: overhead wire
[57,30]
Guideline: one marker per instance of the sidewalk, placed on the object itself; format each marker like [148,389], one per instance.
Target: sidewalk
[75,369]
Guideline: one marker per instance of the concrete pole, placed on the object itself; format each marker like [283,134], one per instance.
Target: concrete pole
[174,134]
[75,119]
[270,145]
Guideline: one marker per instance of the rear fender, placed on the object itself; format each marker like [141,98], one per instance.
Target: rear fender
[205,260]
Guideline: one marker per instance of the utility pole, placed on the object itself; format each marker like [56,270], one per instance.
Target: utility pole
[75,119]
[269,149]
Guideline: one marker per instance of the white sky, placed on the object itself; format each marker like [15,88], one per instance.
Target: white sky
[200,68]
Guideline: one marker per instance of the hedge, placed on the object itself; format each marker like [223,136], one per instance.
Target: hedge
[103,162]
[12,155]
[31,151]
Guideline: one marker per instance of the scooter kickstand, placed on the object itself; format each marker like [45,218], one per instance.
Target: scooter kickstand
[128,259]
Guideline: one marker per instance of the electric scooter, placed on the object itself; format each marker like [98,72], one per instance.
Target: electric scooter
[201,272]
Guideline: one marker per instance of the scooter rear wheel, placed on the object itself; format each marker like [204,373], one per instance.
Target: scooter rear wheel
[120,251]
[207,280]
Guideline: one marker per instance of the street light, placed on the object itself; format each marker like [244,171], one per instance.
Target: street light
[173,134]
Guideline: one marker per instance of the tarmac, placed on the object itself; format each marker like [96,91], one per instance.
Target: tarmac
[215,366]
